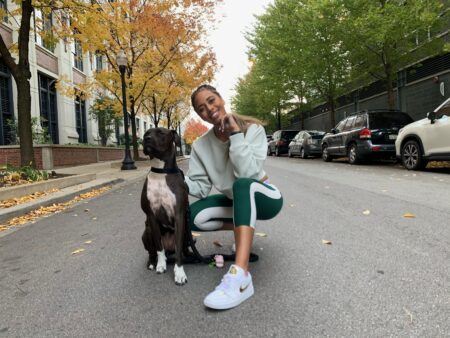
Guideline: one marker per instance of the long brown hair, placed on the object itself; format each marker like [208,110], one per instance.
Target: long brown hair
[242,121]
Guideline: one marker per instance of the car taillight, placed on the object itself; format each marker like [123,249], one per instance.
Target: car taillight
[365,133]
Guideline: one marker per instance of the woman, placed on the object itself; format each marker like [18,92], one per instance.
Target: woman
[230,157]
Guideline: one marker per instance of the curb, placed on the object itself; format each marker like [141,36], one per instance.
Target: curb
[61,196]
[60,183]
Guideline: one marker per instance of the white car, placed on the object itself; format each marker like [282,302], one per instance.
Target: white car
[425,140]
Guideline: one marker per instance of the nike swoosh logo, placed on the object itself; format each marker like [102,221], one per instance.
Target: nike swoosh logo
[241,289]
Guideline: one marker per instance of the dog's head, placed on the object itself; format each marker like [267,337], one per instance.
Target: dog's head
[161,143]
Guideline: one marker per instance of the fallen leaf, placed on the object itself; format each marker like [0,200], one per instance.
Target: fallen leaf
[217,243]
[77,251]
[261,234]
[324,241]
[366,212]
[94,218]
[408,215]
[384,190]
[86,210]
[88,242]
[195,234]
[292,205]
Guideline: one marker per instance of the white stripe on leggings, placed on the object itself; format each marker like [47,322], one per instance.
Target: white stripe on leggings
[201,220]
[259,187]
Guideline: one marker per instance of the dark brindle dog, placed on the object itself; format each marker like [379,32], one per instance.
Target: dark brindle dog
[164,200]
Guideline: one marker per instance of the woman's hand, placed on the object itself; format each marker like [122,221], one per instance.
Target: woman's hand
[229,124]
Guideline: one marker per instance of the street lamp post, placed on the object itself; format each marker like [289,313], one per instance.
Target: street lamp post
[127,163]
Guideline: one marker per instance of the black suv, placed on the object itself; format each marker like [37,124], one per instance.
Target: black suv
[365,135]
[280,142]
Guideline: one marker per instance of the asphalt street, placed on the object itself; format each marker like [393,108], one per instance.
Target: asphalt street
[382,275]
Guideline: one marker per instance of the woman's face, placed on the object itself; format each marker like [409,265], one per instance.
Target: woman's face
[210,106]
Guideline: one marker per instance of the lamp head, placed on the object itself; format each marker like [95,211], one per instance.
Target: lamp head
[121,58]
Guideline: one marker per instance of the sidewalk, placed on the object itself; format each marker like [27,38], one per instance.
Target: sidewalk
[96,176]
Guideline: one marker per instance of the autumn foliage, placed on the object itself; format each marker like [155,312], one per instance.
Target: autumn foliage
[194,129]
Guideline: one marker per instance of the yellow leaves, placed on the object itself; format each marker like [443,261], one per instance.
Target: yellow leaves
[193,130]
[260,234]
[20,200]
[409,215]
[366,212]
[327,242]
[46,211]
[217,243]
[77,251]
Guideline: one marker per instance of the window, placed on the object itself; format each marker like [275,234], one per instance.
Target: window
[349,124]
[48,107]
[98,62]
[340,126]
[80,118]
[77,55]
[7,129]
[47,24]
[137,125]
[4,6]
[145,126]
[360,121]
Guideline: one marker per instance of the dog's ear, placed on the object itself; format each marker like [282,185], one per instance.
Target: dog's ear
[176,138]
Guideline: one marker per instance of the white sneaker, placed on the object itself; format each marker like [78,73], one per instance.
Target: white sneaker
[235,287]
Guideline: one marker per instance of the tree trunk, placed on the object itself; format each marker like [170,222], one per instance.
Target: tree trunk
[278,113]
[332,111]
[24,122]
[389,86]
[133,131]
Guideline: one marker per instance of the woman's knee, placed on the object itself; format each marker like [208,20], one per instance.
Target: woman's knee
[242,184]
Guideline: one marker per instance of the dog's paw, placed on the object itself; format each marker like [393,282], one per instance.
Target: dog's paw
[161,266]
[180,276]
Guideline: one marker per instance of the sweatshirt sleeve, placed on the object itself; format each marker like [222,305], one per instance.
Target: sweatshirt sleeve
[248,152]
[197,178]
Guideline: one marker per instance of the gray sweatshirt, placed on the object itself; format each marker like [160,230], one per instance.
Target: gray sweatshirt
[219,164]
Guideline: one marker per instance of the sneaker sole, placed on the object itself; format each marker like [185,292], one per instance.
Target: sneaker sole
[245,295]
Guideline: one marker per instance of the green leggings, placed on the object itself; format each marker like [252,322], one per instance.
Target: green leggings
[252,200]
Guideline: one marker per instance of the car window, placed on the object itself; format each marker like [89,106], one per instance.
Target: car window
[276,135]
[349,124]
[360,121]
[340,125]
[289,134]
[382,120]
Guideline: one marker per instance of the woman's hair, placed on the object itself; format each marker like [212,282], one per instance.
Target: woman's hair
[242,121]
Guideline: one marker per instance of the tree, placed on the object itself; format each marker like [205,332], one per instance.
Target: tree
[20,66]
[193,130]
[106,113]
[153,34]
[384,36]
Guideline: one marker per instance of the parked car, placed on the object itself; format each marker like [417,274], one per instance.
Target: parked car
[269,138]
[365,135]
[306,143]
[280,142]
[425,140]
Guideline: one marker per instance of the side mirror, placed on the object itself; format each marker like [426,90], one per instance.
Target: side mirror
[334,130]
[431,116]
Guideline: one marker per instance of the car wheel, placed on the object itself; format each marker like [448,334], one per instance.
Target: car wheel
[303,153]
[277,153]
[290,153]
[412,156]
[353,156]
[325,156]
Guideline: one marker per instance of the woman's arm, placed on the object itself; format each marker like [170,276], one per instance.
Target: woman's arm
[197,178]
[248,152]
